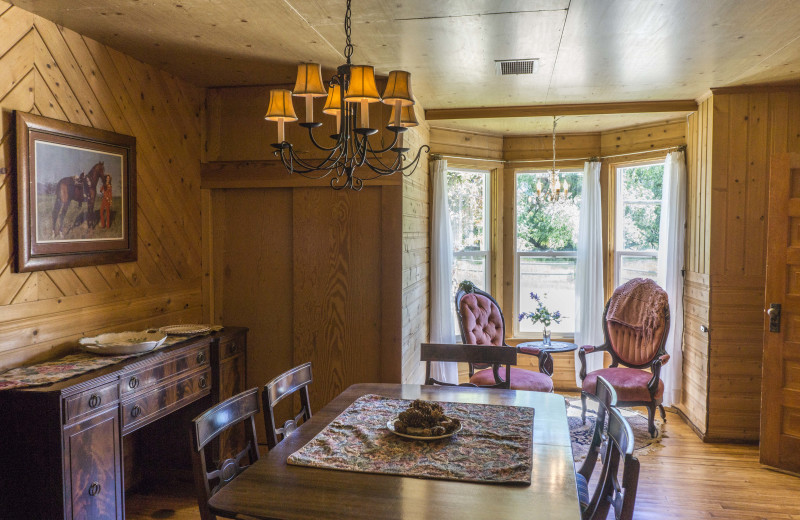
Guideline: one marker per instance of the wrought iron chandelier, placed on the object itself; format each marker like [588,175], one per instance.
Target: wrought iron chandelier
[557,190]
[351,90]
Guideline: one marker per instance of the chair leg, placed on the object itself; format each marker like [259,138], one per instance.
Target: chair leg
[583,408]
[663,413]
[651,415]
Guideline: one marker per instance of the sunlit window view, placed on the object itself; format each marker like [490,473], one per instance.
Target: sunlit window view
[546,248]
[467,195]
[638,220]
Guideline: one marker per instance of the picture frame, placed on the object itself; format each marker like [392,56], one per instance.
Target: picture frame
[76,195]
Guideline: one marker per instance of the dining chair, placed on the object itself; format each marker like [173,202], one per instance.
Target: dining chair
[482,324]
[460,353]
[606,398]
[206,427]
[613,491]
[285,385]
[635,328]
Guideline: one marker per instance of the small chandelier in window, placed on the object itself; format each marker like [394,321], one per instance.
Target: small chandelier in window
[557,190]
[350,151]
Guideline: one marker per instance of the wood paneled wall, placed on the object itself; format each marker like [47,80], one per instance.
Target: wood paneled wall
[532,152]
[55,72]
[749,125]
[338,278]
[696,289]
[416,257]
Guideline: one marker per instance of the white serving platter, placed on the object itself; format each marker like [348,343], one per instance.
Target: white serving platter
[121,343]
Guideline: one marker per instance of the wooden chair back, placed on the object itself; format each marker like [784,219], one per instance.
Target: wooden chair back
[473,354]
[206,427]
[606,398]
[613,491]
[285,385]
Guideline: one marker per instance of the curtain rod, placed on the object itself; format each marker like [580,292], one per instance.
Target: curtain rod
[597,158]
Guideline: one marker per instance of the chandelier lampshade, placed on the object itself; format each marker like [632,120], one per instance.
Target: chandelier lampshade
[333,105]
[362,90]
[398,92]
[309,85]
[408,118]
[280,109]
[349,94]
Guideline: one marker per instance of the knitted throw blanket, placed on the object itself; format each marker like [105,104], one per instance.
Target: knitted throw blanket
[638,304]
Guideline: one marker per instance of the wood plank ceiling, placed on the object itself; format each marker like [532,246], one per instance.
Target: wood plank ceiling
[588,51]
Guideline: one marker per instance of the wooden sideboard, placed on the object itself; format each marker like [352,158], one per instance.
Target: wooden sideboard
[61,444]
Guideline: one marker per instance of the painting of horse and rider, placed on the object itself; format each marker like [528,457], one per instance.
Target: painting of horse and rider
[78,194]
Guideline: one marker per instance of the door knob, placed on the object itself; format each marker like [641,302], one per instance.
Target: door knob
[774,313]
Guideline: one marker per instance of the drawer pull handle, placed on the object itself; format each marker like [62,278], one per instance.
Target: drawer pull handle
[136,410]
[203,383]
[232,348]
[201,357]
[94,489]
[133,382]
[94,401]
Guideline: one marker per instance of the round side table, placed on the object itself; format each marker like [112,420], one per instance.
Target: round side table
[553,347]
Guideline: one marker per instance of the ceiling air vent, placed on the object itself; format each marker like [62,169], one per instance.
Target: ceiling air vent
[506,67]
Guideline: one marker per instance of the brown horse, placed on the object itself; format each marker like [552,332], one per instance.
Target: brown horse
[68,190]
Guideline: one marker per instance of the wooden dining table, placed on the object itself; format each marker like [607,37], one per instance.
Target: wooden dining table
[272,489]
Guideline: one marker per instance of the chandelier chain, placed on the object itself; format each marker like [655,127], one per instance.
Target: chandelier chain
[348,48]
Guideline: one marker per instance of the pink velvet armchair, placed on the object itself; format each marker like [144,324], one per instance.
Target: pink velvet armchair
[635,326]
[482,323]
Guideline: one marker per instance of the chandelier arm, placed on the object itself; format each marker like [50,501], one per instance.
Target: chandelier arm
[290,158]
[321,147]
[384,150]
[324,164]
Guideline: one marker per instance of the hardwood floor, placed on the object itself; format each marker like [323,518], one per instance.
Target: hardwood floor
[685,479]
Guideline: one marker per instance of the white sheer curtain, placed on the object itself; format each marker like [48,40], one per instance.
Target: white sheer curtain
[441,321]
[670,264]
[589,297]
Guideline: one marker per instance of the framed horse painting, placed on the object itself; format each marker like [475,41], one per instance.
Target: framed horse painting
[76,195]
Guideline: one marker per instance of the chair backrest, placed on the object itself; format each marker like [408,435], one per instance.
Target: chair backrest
[295,380]
[206,427]
[479,317]
[636,323]
[460,353]
[613,492]
[606,398]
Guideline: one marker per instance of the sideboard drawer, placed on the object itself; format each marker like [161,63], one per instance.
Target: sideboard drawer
[152,376]
[90,401]
[230,347]
[143,408]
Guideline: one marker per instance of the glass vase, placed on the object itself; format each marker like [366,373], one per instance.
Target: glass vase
[546,337]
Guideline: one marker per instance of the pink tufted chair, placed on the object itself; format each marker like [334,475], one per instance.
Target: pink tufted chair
[635,326]
[481,322]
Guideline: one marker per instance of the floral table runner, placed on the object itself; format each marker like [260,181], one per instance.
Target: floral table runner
[493,446]
[68,366]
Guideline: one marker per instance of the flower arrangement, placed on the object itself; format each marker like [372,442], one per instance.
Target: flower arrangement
[541,315]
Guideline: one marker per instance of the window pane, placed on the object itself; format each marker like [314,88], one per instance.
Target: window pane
[547,226]
[641,225]
[642,182]
[553,279]
[466,193]
[637,267]
[472,268]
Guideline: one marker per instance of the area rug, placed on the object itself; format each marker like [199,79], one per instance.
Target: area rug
[581,434]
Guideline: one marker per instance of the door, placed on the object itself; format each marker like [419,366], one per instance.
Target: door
[780,384]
